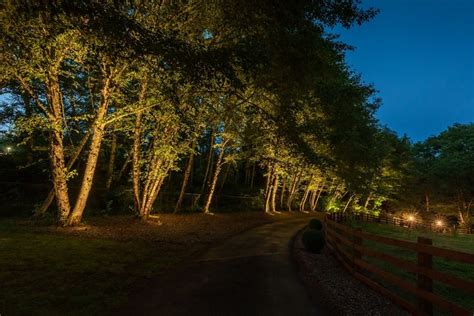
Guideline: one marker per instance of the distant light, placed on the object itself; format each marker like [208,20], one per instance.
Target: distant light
[439,223]
[9,149]
[411,218]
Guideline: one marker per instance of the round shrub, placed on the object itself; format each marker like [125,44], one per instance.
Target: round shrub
[313,240]
[315,224]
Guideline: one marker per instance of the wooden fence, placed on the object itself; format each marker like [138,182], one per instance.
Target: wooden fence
[348,246]
[398,221]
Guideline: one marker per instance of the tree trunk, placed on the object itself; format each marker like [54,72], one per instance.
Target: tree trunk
[282,193]
[214,178]
[319,194]
[136,154]
[305,196]
[111,163]
[268,189]
[252,177]
[427,202]
[47,202]
[59,176]
[209,163]
[58,166]
[348,202]
[293,191]
[290,190]
[154,179]
[304,199]
[274,193]
[97,137]
[312,199]
[366,204]
[122,170]
[152,192]
[268,195]
[187,173]
[136,162]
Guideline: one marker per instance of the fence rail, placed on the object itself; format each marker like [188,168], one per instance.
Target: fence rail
[397,221]
[348,245]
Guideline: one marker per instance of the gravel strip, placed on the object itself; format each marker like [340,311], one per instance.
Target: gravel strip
[330,284]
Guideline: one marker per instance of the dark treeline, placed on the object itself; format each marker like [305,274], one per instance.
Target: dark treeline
[138,106]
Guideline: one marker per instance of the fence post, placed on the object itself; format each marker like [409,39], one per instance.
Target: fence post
[357,242]
[425,261]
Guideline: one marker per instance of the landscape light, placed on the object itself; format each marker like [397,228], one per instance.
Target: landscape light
[9,149]
[439,223]
[411,218]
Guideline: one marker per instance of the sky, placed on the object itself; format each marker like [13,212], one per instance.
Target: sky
[419,55]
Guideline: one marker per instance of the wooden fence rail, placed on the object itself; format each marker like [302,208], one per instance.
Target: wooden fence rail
[397,221]
[348,245]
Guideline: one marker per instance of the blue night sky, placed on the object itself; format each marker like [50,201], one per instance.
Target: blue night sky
[419,54]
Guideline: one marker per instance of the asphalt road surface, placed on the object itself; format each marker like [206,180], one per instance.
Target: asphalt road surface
[249,274]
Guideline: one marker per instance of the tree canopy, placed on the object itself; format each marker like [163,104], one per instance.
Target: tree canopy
[207,96]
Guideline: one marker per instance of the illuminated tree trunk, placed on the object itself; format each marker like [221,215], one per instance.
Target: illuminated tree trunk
[319,194]
[58,166]
[367,201]
[187,173]
[136,155]
[150,192]
[348,202]
[293,190]
[111,163]
[282,193]
[154,179]
[305,196]
[290,190]
[268,189]
[312,201]
[210,159]
[94,149]
[268,182]
[47,202]
[217,171]
[427,202]
[274,193]
[136,162]
[59,176]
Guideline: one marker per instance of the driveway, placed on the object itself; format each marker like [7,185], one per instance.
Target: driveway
[249,274]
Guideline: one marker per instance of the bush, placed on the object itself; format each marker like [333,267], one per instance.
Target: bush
[313,240]
[331,205]
[315,224]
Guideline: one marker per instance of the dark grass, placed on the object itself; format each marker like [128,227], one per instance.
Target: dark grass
[45,274]
[464,243]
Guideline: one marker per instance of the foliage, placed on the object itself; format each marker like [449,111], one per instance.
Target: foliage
[98,84]
[332,205]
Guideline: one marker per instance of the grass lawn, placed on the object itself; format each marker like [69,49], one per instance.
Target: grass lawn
[93,269]
[45,274]
[463,243]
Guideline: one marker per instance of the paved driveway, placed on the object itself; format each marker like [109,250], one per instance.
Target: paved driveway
[249,274]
